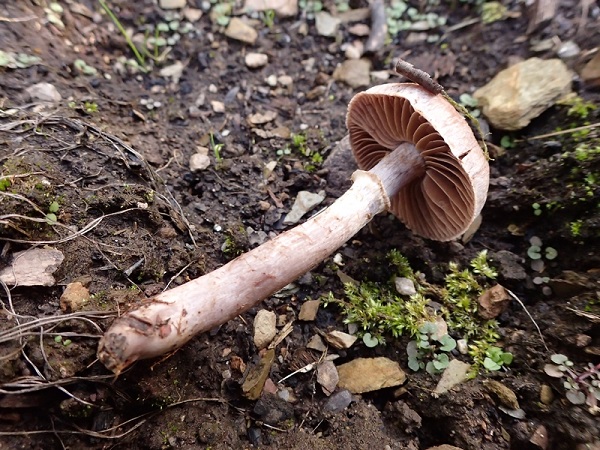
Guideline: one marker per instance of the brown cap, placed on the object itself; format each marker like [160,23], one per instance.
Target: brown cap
[444,201]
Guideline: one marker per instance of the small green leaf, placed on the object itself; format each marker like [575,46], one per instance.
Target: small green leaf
[370,341]
[551,253]
[51,218]
[534,252]
[413,364]
[490,364]
[57,339]
[53,208]
[448,344]
[507,358]
[558,358]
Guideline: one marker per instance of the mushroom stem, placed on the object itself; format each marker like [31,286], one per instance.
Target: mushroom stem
[167,321]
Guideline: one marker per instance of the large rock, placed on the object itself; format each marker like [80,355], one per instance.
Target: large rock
[370,374]
[522,92]
[354,72]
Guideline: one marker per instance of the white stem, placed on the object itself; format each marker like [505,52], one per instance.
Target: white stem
[166,322]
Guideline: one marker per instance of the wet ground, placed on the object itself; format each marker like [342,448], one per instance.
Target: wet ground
[131,219]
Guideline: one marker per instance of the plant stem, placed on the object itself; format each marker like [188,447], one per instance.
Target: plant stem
[164,323]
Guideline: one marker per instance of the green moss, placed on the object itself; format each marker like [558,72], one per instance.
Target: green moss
[379,310]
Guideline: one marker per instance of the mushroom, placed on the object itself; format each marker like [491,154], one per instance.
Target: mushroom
[418,159]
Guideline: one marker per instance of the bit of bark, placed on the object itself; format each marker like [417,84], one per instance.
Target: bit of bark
[540,13]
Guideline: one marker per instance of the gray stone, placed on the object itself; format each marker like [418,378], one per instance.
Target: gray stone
[523,91]
[44,92]
[405,286]
[273,410]
[510,265]
[338,402]
[327,377]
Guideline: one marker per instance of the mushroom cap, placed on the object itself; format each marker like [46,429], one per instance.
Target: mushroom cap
[446,199]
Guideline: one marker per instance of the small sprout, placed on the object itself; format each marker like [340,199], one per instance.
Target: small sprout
[54,207]
[496,358]
[448,343]
[468,100]
[537,209]
[67,342]
[534,252]
[507,142]
[58,339]
[82,67]
[551,253]
[369,340]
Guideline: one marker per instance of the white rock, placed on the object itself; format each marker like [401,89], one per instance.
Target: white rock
[462,346]
[285,81]
[272,80]
[305,201]
[380,75]
[405,286]
[568,50]
[199,162]
[241,31]
[354,50]
[32,267]
[218,107]
[172,4]
[522,92]
[282,8]
[264,328]
[255,60]
[359,29]
[326,24]
[192,14]
[44,92]
[173,71]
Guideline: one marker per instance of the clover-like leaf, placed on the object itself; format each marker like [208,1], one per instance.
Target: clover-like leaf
[490,364]
[558,358]
[448,343]
[369,340]
[534,252]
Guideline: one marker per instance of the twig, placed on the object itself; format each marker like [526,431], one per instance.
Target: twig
[530,317]
[561,132]
[17,19]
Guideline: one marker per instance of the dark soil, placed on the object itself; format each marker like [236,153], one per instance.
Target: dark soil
[136,220]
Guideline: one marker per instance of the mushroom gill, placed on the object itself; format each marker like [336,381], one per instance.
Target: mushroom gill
[440,204]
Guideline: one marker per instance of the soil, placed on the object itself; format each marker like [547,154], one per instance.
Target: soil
[132,220]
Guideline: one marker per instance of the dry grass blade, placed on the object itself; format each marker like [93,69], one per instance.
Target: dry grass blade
[108,433]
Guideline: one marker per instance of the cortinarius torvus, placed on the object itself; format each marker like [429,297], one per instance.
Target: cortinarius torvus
[421,162]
